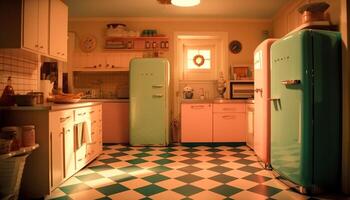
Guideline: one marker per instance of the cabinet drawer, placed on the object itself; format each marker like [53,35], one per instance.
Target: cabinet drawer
[229,127]
[80,155]
[233,107]
[62,117]
[81,114]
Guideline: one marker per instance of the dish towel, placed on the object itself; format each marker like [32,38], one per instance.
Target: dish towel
[86,133]
[78,130]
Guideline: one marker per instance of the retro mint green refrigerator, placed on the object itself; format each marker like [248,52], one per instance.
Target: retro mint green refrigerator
[306,109]
[149,101]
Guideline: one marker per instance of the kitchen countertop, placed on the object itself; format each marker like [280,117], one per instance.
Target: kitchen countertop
[106,100]
[218,101]
[50,106]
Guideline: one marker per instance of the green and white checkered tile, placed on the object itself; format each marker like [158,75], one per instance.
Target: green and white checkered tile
[170,173]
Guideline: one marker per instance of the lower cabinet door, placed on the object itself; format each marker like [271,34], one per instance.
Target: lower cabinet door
[229,127]
[57,171]
[196,123]
[69,156]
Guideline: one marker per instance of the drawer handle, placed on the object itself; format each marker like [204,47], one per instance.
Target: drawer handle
[197,107]
[157,86]
[157,95]
[92,111]
[80,159]
[228,117]
[62,119]
[80,114]
[229,109]
[291,82]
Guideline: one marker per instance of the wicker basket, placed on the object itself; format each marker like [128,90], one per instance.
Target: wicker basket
[11,170]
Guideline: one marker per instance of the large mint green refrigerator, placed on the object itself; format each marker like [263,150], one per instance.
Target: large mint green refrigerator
[306,109]
[149,101]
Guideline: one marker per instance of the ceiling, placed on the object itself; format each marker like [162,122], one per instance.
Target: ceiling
[250,9]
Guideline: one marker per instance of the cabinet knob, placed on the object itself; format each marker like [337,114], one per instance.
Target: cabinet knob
[41,47]
[62,54]
[36,45]
[58,53]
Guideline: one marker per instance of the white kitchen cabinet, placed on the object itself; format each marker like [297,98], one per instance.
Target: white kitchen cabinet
[56,150]
[250,125]
[69,155]
[36,25]
[115,122]
[196,123]
[105,61]
[30,24]
[229,123]
[58,29]
[224,122]
[55,159]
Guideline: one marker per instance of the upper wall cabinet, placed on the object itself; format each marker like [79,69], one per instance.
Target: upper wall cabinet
[58,29]
[37,26]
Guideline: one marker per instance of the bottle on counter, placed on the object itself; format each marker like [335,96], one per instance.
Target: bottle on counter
[7,97]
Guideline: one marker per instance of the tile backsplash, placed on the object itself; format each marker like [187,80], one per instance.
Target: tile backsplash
[23,69]
[207,88]
[102,84]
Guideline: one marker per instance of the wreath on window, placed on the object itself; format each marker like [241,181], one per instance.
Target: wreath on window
[198,60]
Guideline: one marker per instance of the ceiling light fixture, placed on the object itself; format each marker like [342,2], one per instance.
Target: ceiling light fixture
[185,3]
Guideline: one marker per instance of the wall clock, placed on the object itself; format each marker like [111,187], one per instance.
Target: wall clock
[88,43]
[235,46]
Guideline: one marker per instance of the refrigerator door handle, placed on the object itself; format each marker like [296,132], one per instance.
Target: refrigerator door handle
[157,95]
[157,86]
[274,99]
[291,82]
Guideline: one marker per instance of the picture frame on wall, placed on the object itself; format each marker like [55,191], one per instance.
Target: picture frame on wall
[241,72]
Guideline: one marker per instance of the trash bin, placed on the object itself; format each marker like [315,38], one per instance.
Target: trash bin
[11,170]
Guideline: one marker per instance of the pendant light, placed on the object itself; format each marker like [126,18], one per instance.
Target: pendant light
[185,3]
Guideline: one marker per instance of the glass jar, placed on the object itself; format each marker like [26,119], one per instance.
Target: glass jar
[28,135]
[11,133]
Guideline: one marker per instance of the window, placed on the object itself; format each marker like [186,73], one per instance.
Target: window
[199,59]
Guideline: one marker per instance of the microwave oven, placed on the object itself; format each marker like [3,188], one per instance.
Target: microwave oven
[241,89]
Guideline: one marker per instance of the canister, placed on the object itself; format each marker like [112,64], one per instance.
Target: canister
[28,135]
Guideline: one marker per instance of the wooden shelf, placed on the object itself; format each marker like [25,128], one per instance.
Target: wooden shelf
[138,38]
[139,50]
[242,81]
[156,44]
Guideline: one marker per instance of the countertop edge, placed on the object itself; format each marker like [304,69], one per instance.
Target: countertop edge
[50,106]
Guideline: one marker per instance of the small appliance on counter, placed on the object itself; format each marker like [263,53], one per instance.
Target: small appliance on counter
[243,89]
[187,92]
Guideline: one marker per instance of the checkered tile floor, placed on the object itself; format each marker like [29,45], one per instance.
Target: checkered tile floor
[171,173]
